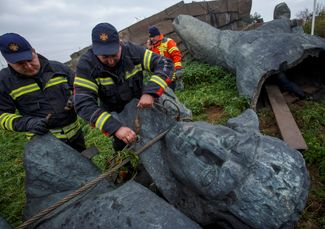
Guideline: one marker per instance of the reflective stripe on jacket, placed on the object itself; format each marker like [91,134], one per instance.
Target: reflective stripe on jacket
[66,132]
[37,96]
[167,47]
[117,86]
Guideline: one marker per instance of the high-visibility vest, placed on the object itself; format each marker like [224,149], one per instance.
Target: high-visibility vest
[167,47]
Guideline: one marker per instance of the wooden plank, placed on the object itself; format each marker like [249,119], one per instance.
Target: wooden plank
[286,123]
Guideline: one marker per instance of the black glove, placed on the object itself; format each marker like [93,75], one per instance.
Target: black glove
[70,104]
[179,80]
[179,84]
[37,126]
[179,73]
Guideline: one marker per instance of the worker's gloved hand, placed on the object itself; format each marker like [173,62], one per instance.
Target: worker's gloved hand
[179,73]
[37,126]
[179,80]
[69,106]
[179,85]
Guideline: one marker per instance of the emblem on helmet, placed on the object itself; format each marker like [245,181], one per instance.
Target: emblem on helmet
[13,47]
[103,37]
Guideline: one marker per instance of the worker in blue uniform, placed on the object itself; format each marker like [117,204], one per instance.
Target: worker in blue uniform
[36,93]
[111,72]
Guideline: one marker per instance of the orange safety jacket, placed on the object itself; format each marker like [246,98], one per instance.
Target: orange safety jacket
[167,47]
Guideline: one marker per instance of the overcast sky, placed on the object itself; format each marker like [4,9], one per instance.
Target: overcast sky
[57,28]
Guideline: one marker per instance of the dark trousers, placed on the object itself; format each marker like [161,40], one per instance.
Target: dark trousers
[290,86]
[77,142]
[172,85]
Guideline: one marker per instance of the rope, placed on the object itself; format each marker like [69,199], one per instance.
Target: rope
[88,185]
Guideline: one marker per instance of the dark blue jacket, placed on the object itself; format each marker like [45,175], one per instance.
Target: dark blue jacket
[117,86]
[36,97]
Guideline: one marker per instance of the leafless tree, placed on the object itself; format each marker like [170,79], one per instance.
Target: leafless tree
[306,14]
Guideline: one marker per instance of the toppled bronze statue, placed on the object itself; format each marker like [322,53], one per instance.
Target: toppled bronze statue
[255,55]
[228,176]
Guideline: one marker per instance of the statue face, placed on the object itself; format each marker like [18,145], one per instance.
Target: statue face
[201,157]
[231,168]
[240,168]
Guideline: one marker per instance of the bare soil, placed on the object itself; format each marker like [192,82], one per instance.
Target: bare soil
[214,113]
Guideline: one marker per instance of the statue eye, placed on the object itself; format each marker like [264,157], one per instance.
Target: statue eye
[209,157]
